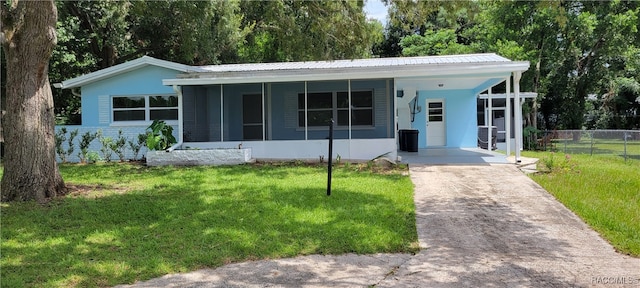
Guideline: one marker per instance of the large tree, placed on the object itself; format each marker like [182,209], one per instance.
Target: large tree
[283,30]
[28,38]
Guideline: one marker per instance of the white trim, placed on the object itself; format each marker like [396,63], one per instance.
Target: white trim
[144,123]
[507,119]
[178,90]
[349,104]
[264,136]
[426,70]
[490,121]
[306,110]
[518,113]
[125,67]
[504,95]
[269,111]
[395,113]
[221,113]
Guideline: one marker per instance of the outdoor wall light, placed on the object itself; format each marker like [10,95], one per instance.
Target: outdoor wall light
[400,93]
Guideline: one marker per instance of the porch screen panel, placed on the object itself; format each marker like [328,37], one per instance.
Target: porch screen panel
[194,105]
[282,111]
[252,117]
[381,123]
[320,109]
[361,108]
[234,105]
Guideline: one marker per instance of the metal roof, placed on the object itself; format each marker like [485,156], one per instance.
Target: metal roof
[359,63]
[487,65]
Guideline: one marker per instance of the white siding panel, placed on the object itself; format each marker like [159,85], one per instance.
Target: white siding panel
[291,110]
[380,106]
[104,109]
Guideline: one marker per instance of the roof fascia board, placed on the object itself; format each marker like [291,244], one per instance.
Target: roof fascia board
[492,70]
[504,95]
[126,67]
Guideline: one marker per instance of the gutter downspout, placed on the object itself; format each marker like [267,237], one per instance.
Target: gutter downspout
[75,92]
[180,124]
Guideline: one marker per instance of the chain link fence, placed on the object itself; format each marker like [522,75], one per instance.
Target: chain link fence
[624,143]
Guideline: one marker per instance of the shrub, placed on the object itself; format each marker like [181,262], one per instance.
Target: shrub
[118,146]
[72,136]
[160,135]
[106,146]
[136,146]
[85,141]
[61,137]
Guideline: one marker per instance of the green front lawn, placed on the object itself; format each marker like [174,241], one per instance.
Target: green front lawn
[127,222]
[603,190]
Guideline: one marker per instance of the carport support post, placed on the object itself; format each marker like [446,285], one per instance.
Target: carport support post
[330,157]
[518,131]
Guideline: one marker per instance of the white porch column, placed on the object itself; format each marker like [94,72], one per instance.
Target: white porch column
[518,113]
[263,116]
[507,117]
[395,113]
[306,136]
[178,91]
[349,100]
[221,113]
[490,120]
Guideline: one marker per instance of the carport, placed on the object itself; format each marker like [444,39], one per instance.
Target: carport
[452,156]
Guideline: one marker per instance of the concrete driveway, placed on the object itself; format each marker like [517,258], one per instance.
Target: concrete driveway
[494,226]
[478,225]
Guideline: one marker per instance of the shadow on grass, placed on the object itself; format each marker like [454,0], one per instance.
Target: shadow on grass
[188,218]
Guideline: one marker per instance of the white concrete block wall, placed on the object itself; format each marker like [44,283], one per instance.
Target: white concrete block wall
[129,132]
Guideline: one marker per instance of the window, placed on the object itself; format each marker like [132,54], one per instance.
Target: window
[321,107]
[145,108]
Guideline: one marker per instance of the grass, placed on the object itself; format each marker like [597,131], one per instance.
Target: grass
[603,190]
[127,223]
[599,146]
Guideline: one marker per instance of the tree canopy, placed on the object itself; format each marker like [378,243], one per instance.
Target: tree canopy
[98,34]
[583,54]
[579,50]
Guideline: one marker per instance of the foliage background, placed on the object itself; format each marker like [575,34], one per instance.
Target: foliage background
[584,55]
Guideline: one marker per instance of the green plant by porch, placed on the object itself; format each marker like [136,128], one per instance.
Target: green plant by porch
[160,135]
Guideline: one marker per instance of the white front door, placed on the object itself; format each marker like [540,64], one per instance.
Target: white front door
[436,129]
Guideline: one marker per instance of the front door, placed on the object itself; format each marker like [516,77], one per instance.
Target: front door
[436,129]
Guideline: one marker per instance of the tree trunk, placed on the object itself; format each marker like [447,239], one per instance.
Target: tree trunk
[30,168]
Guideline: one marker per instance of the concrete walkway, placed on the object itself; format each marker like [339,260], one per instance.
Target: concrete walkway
[482,225]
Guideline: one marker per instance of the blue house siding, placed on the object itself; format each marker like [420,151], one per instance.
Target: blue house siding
[96,96]
[461,123]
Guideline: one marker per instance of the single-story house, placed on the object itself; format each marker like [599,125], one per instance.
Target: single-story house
[281,110]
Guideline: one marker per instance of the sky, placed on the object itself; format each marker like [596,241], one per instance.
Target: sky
[375,9]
